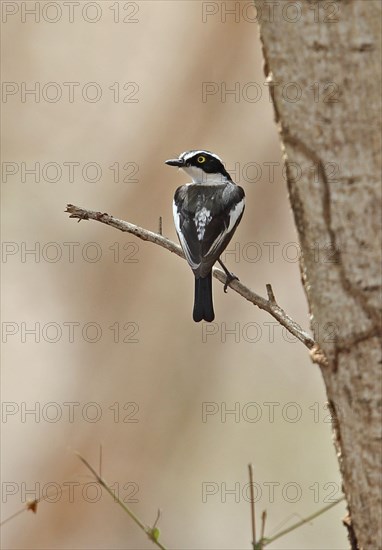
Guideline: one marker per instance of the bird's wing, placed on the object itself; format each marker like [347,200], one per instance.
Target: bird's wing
[223,224]
[206,218]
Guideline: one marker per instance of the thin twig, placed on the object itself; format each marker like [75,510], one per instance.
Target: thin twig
[151,532]
[271,296]
[31,505]
[157,518]
[269,540]
[269,305]
[253,511]
[23,509]
[263,520]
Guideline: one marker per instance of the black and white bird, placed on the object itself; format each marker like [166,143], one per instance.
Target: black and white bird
[206,214]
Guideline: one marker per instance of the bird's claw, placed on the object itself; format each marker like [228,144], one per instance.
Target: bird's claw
[230,277]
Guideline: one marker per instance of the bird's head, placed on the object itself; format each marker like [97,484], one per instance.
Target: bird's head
[202,166]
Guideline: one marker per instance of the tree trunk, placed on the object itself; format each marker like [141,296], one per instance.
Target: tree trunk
[322,63]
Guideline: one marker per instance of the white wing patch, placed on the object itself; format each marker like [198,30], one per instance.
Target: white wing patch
[201,219]
[234,215]
[183,242]
[176,217]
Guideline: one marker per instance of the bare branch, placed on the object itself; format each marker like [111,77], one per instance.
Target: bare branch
[308,519]
[271,296]
[269,305]
[151,532]
[253,511]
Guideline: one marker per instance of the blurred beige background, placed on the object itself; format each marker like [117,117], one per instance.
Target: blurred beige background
[170,457]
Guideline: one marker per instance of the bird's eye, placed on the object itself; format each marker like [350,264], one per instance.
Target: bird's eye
[201,159]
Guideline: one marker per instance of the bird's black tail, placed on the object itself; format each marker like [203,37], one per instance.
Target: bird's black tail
[203,306]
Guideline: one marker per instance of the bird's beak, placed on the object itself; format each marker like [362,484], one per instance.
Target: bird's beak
[176,162]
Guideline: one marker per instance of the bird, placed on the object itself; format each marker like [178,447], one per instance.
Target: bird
[206,213]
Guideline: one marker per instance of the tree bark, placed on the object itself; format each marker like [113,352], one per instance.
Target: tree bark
[329,123]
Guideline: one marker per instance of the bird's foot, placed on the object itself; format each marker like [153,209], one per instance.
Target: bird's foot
[230,277]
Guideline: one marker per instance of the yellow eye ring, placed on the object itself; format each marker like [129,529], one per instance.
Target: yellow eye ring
[201,159]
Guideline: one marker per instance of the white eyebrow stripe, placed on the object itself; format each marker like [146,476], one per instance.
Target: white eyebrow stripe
[189,154]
